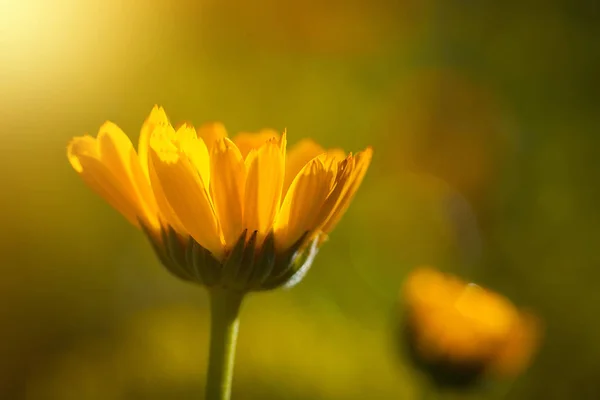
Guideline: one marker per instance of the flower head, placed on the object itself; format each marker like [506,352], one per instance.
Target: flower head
[457,331]
[240,213]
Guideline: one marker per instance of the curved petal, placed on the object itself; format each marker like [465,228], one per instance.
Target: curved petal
[297,157]
[264,182]
[302,204]
[79,146]
[118,155]
[185,190]
[340,173]
[83,154]
[168,215]
[157,117]
[361,163]
[157,121]
[196,151]
[228,179]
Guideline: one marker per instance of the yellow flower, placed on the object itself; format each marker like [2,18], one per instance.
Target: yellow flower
[458,331]
[238,212]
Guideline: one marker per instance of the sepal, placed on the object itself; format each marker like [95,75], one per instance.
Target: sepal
[244,268]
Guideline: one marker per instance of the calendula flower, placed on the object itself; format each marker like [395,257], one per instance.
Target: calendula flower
[240,212]
[235,215]
[457,332]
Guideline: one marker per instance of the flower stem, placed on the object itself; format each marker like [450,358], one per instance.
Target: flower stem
[224,313]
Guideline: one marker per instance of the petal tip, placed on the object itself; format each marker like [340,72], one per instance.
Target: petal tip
[78,146]
[157,113]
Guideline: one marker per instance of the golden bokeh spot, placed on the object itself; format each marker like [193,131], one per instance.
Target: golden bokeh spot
[454,326]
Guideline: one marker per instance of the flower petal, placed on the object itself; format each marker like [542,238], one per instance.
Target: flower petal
[346,176]
[168,215]
[185,190]
[228,179]
[195,149]
[339,172]
[157,121]
[118,155]
[157,117]
[297,157]
[264,182]
[84,156]
[79,146]
[248,141]
[302,204]
[361,163]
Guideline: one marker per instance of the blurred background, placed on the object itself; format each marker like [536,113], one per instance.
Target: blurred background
[484,119]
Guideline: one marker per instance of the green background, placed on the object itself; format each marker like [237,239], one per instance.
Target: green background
[484,120]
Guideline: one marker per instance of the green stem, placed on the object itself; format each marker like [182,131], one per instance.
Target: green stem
[224,315]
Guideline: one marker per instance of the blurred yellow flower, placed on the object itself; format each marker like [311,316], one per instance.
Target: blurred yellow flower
[238,212]
[459,331]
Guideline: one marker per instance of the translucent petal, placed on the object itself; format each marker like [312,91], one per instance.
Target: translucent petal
[157,117]
[119,156]
[302,204]
[185,192]
[228,179]
[168,215]
[264,183]
[298,156]
[350,186]
[196,151]
[84,156]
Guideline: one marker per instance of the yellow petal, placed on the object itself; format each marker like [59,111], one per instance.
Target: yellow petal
[331,161]
[84,156]
[283,149]
[157,117]
[336,154]
[340,173]
[332,156]
[264,182]
[81,145]
[357,172]
[168,216]
[185,191]
[111,156]
[228,178]
[210,133]
[157,120]
[118,155]
[297,157]
[302,204]
[248,141]
[195,149]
